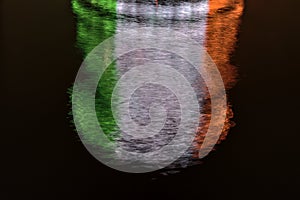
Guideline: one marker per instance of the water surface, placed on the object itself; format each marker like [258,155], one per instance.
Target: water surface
[212,23]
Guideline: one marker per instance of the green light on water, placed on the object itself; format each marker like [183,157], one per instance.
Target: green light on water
[96,21]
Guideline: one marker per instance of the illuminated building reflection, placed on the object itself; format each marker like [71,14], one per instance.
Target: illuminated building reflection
[212,23]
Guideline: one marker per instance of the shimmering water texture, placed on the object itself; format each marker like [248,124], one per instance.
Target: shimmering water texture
[212,23]
[96,21]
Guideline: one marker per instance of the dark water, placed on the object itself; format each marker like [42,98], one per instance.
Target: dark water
[42,159]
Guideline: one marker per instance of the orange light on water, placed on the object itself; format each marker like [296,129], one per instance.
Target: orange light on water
[223,22]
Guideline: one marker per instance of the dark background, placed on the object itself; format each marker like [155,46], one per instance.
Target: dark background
[42,159]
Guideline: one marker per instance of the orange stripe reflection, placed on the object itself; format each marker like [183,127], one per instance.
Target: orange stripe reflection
[221,36]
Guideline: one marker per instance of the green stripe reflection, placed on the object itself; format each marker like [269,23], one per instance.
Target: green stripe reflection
[96,21]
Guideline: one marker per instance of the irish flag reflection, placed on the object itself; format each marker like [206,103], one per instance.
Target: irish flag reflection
[212,23]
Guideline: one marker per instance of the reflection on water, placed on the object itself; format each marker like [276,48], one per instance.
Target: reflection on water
[223,20]
[96,21]
[212,23]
